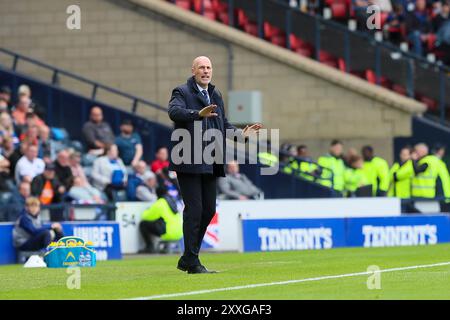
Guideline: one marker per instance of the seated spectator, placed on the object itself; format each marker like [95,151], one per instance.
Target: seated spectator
[4,173]
[7,128]
[25,91]
[418,26]
[109,173]
[237,186]
[15,156]
[29,165]
[162,220]
[3,106]
[443,41]
[97,133]
[17,201]
[147,190]
[20,112]
[395,24]
[5,95]
[30,136]
[47,146]
[161,161]
[32,120]
[136,179]
[62,169]
[129,144]
[441,17]
[46,186]
[77,169]
[28,232]
[84,193]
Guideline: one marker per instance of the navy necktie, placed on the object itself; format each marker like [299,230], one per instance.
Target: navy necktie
[205,93]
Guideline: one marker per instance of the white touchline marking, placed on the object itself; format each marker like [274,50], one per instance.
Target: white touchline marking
[278,283]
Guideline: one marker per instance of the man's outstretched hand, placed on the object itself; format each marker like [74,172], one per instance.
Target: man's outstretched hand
[208,111]
[253,129]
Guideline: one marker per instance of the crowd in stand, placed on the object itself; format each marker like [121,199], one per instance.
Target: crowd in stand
[424,24]
[39,161]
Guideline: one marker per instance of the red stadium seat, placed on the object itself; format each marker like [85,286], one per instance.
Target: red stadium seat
[207,6]
[219,6]
[431,41]
[399,89]
[429,102]
[251,28]
[279,40]
[185,4]
[341,65]
[339,10]
[242,19]
[370,76]
[223,17]
[305,51]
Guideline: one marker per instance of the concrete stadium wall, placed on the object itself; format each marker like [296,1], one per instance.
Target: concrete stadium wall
[146,53]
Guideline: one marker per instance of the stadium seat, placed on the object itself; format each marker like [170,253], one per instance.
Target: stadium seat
[429,102]
[242,19]
[339,10]
[251,28]
[185,4]
[399,89]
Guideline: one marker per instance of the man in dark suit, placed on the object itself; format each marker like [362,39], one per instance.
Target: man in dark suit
[197,104]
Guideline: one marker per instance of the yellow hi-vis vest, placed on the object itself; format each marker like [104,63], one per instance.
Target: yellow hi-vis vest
[336,165]
[377,174]
[400,180]
[304,171]
[354,179]
[267,159]
[423,185]
[444,176]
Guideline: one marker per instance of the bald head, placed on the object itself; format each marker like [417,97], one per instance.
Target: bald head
[96,114]
[421,150]
[202,71]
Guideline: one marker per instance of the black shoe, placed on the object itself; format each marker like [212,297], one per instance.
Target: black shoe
[182,265]
[199,269]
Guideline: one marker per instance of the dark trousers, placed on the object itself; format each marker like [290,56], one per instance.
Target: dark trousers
[199,197]
[39,241]
[150,230]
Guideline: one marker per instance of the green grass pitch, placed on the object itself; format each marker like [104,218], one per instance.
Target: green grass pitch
[156,275]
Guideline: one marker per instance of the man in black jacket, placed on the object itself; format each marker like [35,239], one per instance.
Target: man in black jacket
[197,104]
[47,187]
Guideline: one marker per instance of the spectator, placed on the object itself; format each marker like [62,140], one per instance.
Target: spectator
[17,201]
[161,161]
[162,220]
[20,112]
[15,156]
[77,169]
[28,232]
[32,120]
[25,91]
[443,41]
[30,136]
[47,146]
[147,190]
[4,173]
[129,144]
[418,26]
[62,169]
[97,133]
[441,17]
[237,186]
[136,179]
[395,24]
[109,173]
[3,106]
[84,193]
[46,186]
[7,127]
[5,95]
[29,165]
